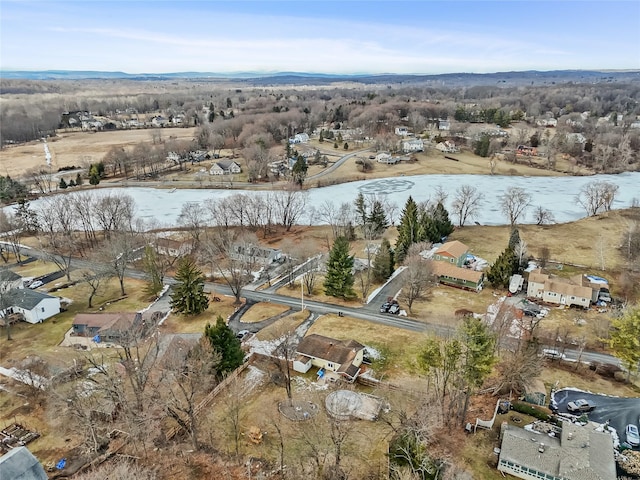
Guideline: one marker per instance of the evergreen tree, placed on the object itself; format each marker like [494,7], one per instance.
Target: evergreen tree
[514,239]
[72,183]
[225,344]
[339,279]
[299,170]
[482,146]
[500,272]
[94,175]
[212,115]
[361,209]
[346,146]
[408,230]
[383,263]
[63,184]
[188,295]
[152,268]
[443,224]
[321,139]
[377,219]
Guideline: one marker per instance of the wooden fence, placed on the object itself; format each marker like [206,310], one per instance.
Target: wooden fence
[206,401]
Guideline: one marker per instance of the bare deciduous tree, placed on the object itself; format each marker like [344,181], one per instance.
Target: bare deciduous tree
[597,196]
[416,277]
[542,216]
[513,203]
[466,203]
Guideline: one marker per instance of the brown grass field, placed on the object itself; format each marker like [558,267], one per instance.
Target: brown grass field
[77,148]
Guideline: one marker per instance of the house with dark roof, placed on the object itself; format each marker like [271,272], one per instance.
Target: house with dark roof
[20,464]
[344,357]
[225,167]
[9,280]
[574,453]
[110,327]
[35,307]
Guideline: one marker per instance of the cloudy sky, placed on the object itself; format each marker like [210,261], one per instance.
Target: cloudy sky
[330,36]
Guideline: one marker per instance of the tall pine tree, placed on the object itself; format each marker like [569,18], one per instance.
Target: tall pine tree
[339,279]
[377,219]
[225,344]
[443,224]
[383,263]
[188,295]
[408,230]
[500,272]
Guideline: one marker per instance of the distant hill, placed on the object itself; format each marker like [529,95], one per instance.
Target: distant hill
[531,77]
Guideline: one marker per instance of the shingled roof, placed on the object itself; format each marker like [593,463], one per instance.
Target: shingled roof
[25,298]
[20,464]
[452,249]
[443,269]
[330,349]
[581,452]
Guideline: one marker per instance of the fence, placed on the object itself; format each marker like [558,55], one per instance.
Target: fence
[206,401]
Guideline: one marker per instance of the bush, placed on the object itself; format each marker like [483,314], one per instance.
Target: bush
[531,410]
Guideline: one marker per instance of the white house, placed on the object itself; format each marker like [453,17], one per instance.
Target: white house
[255,254]
[299,138]
[173,248]
[159,121]
[413,145]
[444,125]
[447,147]
[558,291]
[34,306]
[385,157]
[402,131]
[225,167]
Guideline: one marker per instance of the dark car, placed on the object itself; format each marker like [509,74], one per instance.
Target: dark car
[394,309]
[580,406]
[384,308]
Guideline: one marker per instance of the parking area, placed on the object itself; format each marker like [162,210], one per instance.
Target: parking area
[618,410]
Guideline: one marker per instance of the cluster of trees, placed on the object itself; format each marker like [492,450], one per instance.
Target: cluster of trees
[487,115]
[510,261]
[421,223]
[11,190]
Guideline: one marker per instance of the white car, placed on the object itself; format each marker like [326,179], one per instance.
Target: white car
[553,354]
[633,437]
[35,284]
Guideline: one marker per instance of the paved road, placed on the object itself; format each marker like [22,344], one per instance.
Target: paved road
[618,410]
[368,313]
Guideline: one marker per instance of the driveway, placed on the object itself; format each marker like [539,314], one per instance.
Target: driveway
[619,411]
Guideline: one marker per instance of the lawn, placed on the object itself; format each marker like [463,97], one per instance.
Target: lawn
[263,311]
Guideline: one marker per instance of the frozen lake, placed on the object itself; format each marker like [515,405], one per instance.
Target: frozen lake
[554,193]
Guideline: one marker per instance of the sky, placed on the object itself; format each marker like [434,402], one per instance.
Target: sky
[330,36]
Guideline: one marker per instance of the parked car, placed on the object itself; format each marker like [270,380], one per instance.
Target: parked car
[35,284]
[394,309]
[384,308]
[553,354]
[242,334]
[633,436]
[580,405]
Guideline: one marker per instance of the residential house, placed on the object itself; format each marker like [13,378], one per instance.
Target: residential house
[339,356]
[173,248]
[9,280]
[448,266]
[255,254]
[20,464]
[447,147]
[299,138]
[576,452]
[159,121]
[225,167]
[385,157]
[402,131]
[444,125]
[453,252]
[109,327]
[413,145]
[34,306]
[558,291]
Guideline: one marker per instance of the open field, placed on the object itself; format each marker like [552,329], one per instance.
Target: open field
[78,148]
[263,311]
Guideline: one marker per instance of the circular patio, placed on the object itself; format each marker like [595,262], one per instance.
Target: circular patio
[298,410]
